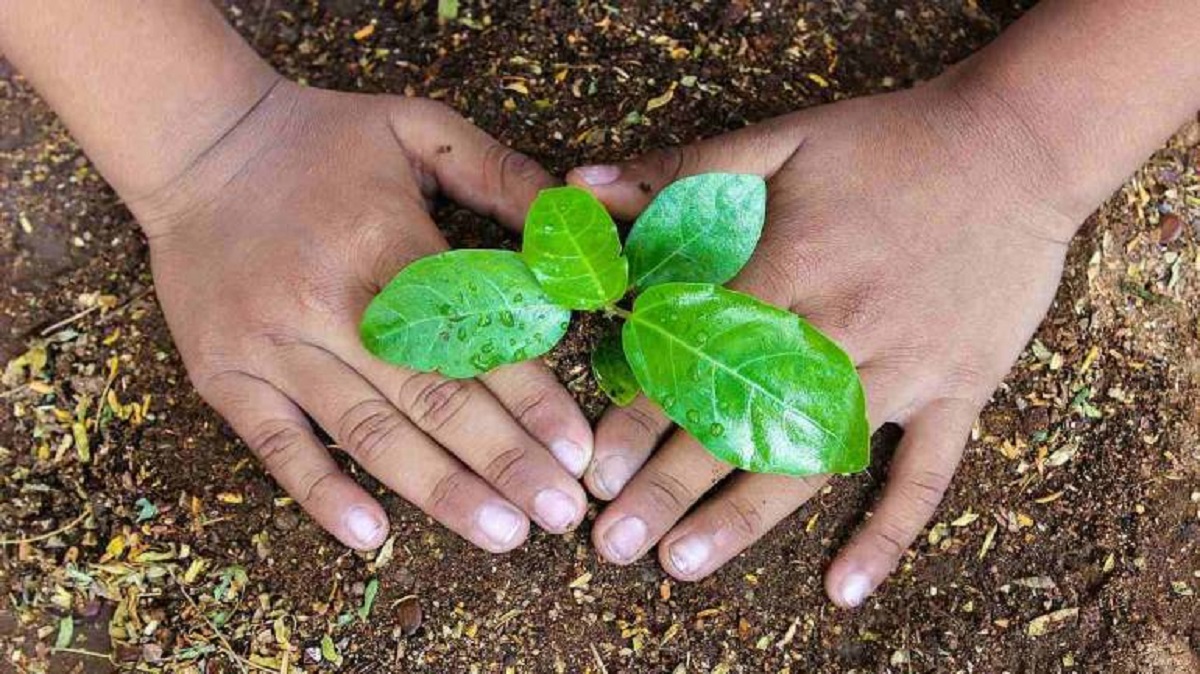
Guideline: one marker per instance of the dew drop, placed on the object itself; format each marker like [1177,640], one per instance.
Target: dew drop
[488,346]
[716,430]
[518,298]
[507,318]
[462,334]
[693,416]
[485,320]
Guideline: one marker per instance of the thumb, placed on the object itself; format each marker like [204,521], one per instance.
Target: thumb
[628,187]
[471,167]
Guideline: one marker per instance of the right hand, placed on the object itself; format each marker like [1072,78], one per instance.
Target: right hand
[265,252]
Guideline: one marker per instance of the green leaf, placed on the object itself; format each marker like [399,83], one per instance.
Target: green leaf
[461,313]
[447,9]
[146,510]
[756,385]
[574,249]
[66,632]
[700,229]
[329,650]
[612,372]
[369,594]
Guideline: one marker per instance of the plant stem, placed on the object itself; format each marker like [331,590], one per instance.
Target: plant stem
[613,310]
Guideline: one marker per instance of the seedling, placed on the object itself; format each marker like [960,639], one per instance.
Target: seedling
[758,386]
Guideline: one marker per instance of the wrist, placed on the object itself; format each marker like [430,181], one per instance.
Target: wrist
[230,142]
[999,127]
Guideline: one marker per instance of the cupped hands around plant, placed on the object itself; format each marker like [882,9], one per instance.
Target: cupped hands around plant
[265,253]
[918,231]
[758,386]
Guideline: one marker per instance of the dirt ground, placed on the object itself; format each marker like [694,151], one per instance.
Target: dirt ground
[135,523]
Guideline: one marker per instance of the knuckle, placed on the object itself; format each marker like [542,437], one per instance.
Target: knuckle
[641,419]
[277,442]
[280,446]
[321,290]
[670,163]
[965,383]
[433,401]
[533,406]
[926,489]
[888,539]
[667,492]
[743,516]
[854,310]
[510,162]
[449,487]
[509,467]
[369,429]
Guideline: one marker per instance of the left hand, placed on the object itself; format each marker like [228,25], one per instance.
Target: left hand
[911,228]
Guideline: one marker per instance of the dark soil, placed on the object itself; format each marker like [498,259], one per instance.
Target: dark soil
[1084,472]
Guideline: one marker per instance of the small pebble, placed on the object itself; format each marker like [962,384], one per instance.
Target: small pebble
[409,615]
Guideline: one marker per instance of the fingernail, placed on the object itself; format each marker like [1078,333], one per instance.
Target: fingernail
[572,457]
[690,553]
[555,510]
[500,522]
[366,527]
[855,589]
[604,174]
[611,475]
[626,538]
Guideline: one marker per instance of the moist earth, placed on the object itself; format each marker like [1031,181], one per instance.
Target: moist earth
[1069,540]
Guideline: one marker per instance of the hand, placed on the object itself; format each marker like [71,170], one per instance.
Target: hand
[911,229]
[265,252]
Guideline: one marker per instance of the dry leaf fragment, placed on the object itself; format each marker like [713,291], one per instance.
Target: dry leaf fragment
[1042,624]
[659,101]
[987,541]
[965,519]
[364,32]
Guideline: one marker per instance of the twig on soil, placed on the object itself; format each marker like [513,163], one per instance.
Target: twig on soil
[80,651]
[46,332]
[80,315]
[224,646]
[63,529]
[599,662]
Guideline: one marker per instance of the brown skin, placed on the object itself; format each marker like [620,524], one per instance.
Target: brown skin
[274,213]
[870,170]
[925,231]
[265,254]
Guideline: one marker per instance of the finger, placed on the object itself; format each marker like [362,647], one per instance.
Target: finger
[386,444]
[627,188]
[921,470]
[277,432]
[470,166]
[466,419]
[535,398]
[657,497]
[625,438]
[723,526]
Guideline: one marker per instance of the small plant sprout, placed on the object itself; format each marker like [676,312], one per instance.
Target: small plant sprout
[757,385]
